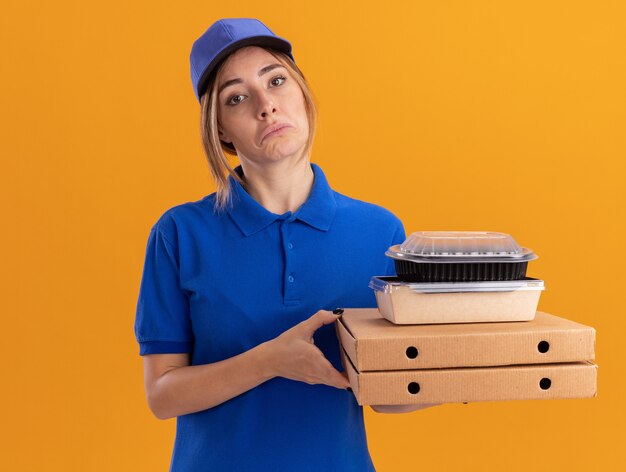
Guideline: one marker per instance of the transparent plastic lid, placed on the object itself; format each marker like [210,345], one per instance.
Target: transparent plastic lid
[461,246]
[390,284]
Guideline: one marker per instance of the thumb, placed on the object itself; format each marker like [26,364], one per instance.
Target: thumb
[319,319]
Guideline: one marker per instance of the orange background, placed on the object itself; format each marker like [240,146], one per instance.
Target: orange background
[501,116]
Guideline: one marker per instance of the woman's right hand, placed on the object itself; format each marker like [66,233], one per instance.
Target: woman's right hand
[294,355]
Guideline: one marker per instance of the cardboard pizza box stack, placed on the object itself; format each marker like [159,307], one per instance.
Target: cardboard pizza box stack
[436,344]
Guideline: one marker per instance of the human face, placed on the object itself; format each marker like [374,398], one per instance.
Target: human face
[261,108]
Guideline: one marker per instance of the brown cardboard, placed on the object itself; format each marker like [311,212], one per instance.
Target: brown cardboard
[375,344]
[567,380]
[404,306]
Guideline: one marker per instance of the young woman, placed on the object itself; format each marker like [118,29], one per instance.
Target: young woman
[234,317]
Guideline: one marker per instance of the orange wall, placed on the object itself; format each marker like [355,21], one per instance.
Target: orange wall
[501,116]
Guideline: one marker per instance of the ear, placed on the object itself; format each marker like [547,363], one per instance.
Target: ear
[223,136]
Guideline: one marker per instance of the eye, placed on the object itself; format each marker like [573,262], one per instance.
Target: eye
[278,80]
[234,100]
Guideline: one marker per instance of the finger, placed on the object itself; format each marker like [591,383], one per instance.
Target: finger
[402,408]
[340,380]
[334,378]
[323,372]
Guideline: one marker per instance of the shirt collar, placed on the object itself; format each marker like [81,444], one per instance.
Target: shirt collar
[317,211]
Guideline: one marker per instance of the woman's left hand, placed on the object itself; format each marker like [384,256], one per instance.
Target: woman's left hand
[401,408]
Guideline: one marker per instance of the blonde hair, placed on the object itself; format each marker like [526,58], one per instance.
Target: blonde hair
[216,150]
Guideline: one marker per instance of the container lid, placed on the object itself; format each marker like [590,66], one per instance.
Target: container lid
[460,246]
[389,284]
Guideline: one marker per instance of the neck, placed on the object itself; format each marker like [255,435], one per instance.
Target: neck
[280,186]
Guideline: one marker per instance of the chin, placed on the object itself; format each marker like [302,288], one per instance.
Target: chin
[285,151]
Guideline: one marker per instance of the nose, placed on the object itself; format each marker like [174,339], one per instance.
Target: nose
[267,106]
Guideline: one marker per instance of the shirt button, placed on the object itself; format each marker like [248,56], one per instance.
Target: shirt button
[290,278]
[290,245]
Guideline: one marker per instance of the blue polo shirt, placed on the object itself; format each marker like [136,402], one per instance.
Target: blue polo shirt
[216,284]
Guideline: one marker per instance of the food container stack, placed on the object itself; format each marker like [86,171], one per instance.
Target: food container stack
[458,277]
[460,324]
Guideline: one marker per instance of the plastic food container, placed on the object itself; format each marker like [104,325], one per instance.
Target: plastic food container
[460,256]
[453,302]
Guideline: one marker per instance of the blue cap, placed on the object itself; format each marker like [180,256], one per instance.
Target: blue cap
[224,37]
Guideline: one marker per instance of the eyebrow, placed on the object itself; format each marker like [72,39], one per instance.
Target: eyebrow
[264,70]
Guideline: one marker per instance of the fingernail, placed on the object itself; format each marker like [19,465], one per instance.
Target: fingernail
[338,311]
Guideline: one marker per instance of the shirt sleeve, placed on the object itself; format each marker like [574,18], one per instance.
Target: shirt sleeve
[162,322]
[398,238]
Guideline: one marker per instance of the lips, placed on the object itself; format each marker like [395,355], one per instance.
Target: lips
[272,128]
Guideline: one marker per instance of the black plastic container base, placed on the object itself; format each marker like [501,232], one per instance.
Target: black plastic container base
[459,272]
